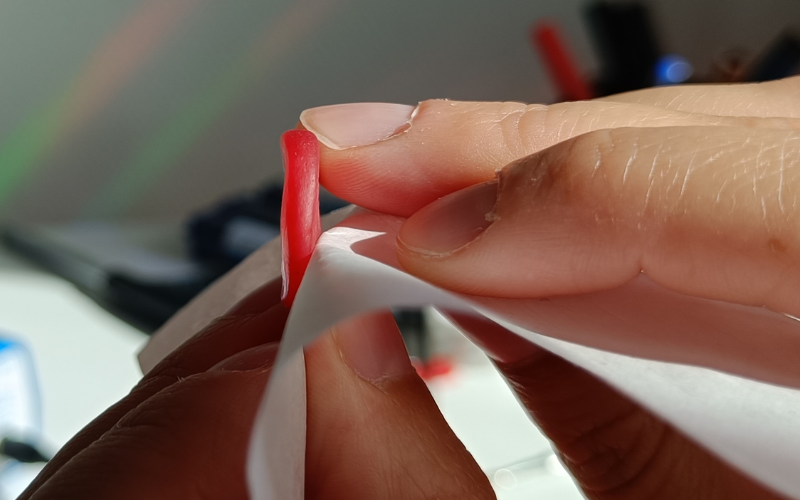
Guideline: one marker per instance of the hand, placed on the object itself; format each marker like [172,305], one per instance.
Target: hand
[696,186]
[374,432]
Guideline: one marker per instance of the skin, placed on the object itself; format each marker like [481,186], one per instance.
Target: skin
[695,186]
[452,145]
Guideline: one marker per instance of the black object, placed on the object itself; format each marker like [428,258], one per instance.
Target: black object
[411,323]
[217,239]
[205,232]
[234,228]
[780,60]
[148,305]
[626,46]
[141,302]
[22,451]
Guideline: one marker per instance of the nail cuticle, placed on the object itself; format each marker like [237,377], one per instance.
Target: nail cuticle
[372,348]
[379,382]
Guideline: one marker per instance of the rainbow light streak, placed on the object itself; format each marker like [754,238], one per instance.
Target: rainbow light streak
[171,142]
[30,141]
[111,65]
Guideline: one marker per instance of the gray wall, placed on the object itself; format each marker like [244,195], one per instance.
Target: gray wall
[149,109]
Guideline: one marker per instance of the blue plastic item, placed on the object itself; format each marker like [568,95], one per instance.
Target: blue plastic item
[20,403]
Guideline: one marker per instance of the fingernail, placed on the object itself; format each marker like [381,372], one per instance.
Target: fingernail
[344,126]
[452,222]
[500,344]
[255,358]
[373,347]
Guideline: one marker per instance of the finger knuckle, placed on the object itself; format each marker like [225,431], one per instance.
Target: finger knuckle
[524,128]
[569,170]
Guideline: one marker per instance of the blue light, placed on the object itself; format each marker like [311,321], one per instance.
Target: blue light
[672,69]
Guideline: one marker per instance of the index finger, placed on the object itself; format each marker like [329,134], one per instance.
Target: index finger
[396,159]
[779,98]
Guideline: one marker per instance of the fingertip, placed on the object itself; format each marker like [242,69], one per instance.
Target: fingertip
[421,160]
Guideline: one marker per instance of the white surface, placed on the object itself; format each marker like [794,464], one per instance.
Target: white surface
[85,357]
[16,478]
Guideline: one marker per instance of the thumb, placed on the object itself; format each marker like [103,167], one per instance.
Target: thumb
[709,212]
[374,431]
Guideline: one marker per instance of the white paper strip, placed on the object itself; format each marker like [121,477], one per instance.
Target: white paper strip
[752,424]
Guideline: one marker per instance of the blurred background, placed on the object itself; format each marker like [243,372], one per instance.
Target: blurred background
[139,161]
[149,110]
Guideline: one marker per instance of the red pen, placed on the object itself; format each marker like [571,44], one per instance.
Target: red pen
[300,220]
[559,63]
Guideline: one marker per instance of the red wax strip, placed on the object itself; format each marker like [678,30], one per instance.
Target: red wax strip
[300,225]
